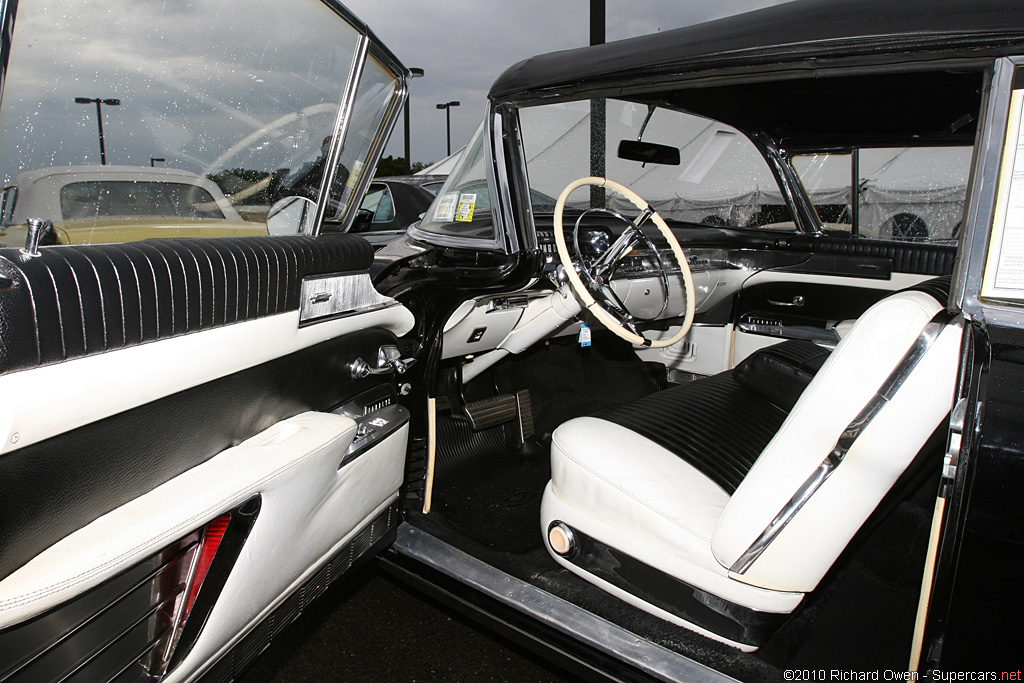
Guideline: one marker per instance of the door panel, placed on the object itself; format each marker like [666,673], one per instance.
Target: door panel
[793,287]
[149,405]
[774,306]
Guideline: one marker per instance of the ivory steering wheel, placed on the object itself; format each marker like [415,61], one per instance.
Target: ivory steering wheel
[597,295]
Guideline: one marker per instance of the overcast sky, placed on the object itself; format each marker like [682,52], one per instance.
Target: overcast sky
[464,45]
[201,88]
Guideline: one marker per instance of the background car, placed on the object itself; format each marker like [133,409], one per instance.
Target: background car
[391,205]
[118,204]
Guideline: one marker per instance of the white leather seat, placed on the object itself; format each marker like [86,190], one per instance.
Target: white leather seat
[637,499]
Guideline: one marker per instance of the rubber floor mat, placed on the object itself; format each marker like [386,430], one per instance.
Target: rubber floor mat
[487,490]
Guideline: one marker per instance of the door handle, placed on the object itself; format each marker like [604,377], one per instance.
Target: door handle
[389,359]
[797,301]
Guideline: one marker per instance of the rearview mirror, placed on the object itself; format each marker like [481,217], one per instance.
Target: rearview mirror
[648,152]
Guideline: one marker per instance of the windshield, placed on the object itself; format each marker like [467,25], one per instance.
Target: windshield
[913,194]
[239,101]
[720,177]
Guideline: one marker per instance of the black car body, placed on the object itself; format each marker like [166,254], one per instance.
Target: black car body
[795,454]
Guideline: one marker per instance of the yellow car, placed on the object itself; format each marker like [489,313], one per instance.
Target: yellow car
[100,204]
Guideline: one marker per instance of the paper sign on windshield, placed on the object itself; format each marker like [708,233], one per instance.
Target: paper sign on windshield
[1004,271]
[445,210]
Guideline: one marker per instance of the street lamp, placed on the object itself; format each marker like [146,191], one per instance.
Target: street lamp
[447,106]
[99,118]
[153,160]
[414,72]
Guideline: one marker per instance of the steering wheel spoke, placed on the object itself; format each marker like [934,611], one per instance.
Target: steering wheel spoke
[592,282]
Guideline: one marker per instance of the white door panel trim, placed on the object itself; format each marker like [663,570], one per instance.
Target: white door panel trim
[52,399]
[126,535]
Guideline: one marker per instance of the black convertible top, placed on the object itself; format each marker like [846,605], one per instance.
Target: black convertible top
[806,32]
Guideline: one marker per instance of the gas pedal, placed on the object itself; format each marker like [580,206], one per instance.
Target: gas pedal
[525,411]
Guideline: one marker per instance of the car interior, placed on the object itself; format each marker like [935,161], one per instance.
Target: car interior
[663,372]
[756,496]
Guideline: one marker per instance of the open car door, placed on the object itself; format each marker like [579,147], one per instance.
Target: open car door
[200,431]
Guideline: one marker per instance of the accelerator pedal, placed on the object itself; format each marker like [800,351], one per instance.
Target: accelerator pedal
[525,412]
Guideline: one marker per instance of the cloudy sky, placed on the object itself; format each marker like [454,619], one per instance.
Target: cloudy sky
[464,45]
[202,87]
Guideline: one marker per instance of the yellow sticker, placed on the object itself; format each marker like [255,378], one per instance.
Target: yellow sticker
[353,177]
[464,212]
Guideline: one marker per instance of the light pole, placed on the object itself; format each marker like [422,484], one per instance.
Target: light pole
[99,118]
[447,106]
[414,72]
[153,160]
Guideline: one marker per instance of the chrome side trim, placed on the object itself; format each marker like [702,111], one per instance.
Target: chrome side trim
[335,295]
[846,440]
[553,611]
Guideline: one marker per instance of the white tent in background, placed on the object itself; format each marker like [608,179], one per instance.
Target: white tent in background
[443,167]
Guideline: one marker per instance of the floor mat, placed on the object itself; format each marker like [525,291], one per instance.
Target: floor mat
[486,489]
[870,621]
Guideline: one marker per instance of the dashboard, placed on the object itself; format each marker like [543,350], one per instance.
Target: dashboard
[484,323]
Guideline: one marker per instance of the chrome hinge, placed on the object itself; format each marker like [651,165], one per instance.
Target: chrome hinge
[956,431]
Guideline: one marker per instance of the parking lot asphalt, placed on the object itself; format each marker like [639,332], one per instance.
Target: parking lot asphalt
[370,627]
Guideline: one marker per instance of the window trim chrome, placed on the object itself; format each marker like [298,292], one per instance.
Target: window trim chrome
[498,242]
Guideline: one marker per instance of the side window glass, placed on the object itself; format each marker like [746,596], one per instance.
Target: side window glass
[181,123]
[385,209]
[903,194]
[462,207]
[378,206]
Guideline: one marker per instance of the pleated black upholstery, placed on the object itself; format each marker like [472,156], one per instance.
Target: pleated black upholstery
[907,257]
[937,287]
[691,420]
[780,373]
[73,301]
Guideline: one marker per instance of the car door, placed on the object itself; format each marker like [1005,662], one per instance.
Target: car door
[202,430]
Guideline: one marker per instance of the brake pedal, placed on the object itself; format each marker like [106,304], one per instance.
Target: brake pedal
[499,410]
[491,412]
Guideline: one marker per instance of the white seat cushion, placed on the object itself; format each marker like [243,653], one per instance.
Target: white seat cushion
[650,504]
